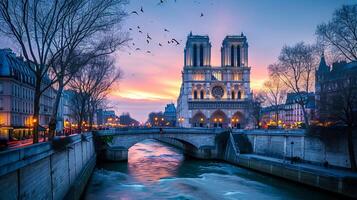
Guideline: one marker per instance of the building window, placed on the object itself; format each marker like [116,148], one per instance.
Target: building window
[239,96]
[233,95]
[1,88]
[238,56]
[194,55]
[198,76]
[236,76]
[232,56]
[201,55]
[195,94]
[1,104]
[201,94]
[217,75]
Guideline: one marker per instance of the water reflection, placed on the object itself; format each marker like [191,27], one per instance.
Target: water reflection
[151,161]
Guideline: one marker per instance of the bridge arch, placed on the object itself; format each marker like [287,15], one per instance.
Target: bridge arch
[162,138]
[196,142]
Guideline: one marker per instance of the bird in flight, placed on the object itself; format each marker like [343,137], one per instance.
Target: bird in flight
[138,27]
[130,29]
[160,44]
[166,30]
[147,41]
[133,44]
[148,36]
[140,31]
[141,9]
[134,12]
[174,40]
[137,49]
[201,15]
[148,51]
[161,2]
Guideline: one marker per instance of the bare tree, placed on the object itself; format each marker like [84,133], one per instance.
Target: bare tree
[89,32]
[339,35]
[43,30]
[33,24]
[92,84]
[259,98]
[296,68]
[275,93]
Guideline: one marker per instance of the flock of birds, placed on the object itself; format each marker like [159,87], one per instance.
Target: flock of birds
[148,38]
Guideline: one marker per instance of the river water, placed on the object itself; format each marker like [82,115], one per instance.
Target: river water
[157,171]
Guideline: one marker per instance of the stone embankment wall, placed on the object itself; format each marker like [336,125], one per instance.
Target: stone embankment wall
[266,153]
[317,150]
[41,171]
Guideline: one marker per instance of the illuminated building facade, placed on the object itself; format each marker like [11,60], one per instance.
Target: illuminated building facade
[17,90]
[215,96]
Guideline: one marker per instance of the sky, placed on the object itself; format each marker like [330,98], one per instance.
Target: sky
[152,80]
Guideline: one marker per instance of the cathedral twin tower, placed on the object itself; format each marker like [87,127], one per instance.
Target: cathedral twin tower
[234,51]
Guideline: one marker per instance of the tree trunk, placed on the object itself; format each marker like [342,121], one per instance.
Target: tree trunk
[36,111]
[53,119]
[81,115]
[306,119]
[351,148]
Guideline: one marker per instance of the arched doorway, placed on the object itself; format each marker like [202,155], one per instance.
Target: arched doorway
[237,120]
[199,120]
[218,119]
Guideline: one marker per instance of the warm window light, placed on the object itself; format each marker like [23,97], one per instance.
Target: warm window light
[220,120]
[34,120]
[215,119]
[201,119]
[162,119]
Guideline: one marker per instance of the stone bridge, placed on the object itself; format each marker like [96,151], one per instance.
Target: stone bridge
[197,142]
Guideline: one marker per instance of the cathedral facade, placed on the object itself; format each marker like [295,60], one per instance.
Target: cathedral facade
[215,96]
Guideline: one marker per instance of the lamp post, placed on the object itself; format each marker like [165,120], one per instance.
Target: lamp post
[292,151]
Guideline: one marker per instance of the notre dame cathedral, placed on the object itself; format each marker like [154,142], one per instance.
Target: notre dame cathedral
[215,96]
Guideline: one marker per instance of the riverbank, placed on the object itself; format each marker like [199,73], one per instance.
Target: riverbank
[333,180]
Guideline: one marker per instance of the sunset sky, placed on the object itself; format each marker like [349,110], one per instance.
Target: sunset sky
[151,81]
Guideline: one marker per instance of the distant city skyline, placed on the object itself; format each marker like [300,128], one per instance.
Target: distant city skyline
[152,80]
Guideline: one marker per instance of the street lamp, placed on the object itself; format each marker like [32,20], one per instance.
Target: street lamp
[292,151]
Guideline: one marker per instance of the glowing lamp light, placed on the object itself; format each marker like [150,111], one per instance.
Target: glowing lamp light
[201,119]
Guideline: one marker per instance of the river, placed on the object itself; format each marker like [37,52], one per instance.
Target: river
[158,171]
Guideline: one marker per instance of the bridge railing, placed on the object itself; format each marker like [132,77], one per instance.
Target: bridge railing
[197,130]
[166,130]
